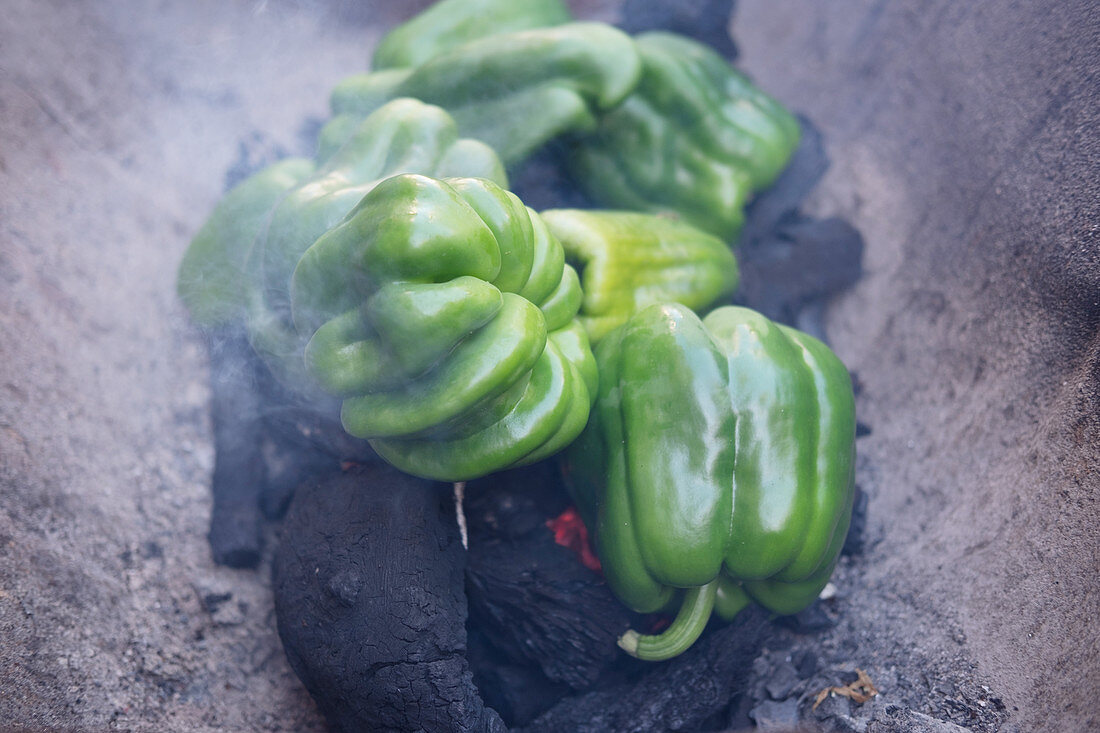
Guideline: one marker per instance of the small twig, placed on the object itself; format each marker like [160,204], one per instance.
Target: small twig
[860,691]
[460,513]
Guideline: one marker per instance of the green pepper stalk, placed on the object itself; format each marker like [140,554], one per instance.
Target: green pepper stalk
[717,466]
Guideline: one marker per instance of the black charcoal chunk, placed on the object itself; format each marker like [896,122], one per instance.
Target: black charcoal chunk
[782,681]
[532,598]
[803,261]
[235,520]
[542,181]
[520,693]
[676,695]
[370,604]
[857,530]
[809,620]
[783,198]
[707,20]
[776,716]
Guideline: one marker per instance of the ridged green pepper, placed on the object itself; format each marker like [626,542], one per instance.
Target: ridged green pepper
[443,313]
[403,136]
[628,261]
[717,466]
[451,23]
[695,138]
[514,91]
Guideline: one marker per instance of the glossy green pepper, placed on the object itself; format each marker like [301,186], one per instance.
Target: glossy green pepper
[514,91]
[443,314]
[403,136]
[696,139]
[628,260]
[451,23]
[717,467]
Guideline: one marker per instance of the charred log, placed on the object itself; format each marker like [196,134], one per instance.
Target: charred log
[235,521]
[370,604]
[791,264]
[682,694]
[532,598]
[799,265]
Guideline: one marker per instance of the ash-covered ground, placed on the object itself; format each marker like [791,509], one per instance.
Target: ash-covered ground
[964,149]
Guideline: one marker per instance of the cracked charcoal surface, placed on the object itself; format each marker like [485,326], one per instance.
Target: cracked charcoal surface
[680,694]
[531,598]
[370,606]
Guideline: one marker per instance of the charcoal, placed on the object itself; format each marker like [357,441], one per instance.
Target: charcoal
[235,520]
[802,261]
[676,695]
[303,440]
[809,620]
[805,661]
[533,599]
[370,605]
[519,692]
[542,181]
[311,422]
[289,463]
[775,716]
[707,21]
[783,198]
[854,542]
[782,681]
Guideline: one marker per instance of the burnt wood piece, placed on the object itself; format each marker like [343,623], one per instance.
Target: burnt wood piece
[855,541]
[707,21]
[800,264]
[681,694]
[303,440]
[370,604]
[532,598]
[312,422]
[780,200]
[519,692]
[542,181]
[235,520]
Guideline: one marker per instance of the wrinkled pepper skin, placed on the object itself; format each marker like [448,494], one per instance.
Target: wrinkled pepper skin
[628,261]
[210,275]
[514,91]
[403,136]
[718,460]
[451,23]
[696,139]
[443,314]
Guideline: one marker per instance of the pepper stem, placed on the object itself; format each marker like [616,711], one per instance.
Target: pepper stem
[685,629]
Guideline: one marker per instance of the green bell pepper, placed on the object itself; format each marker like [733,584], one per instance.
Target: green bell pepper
[403,136]
[717,466]
[628,261]
[695,138]
[514,91]
[210,275]
[451,23]
[443,313]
